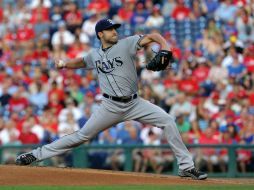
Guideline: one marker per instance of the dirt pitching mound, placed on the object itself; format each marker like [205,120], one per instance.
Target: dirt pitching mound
[23,175]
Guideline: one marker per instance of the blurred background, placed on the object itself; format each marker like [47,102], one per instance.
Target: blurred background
[209,91]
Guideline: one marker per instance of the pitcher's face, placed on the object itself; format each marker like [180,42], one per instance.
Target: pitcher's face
[109,36]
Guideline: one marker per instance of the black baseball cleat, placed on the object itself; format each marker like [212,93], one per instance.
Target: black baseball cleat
[193,173]
[25,159]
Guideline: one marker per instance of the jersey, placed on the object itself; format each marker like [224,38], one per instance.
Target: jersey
[116,67]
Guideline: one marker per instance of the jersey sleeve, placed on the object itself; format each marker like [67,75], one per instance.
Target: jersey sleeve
[87,59]
[133,43]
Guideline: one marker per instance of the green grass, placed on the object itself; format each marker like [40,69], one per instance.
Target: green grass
[135,187]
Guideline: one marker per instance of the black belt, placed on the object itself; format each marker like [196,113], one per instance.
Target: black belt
[121,99]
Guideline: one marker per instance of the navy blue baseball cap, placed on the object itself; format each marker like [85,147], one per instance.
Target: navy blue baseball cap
[105,24]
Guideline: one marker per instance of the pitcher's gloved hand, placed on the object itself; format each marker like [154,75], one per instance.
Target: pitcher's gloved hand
[161,61]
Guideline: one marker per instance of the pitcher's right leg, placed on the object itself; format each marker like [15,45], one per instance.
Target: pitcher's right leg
[99,121]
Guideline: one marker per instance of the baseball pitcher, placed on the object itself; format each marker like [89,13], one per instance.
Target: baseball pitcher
[114,62]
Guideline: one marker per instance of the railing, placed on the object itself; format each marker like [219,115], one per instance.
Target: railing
[80,156]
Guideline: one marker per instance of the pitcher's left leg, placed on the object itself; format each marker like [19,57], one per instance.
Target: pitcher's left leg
[147,112]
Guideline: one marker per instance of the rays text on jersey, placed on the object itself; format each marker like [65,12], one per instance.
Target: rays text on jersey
[109,65]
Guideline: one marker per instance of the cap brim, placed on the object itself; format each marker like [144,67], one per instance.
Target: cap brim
[113,26]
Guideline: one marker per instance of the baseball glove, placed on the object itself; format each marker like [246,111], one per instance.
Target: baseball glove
[161,61]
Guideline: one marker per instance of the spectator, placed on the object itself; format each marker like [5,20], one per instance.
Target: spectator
[152,157]
[182,124]
[236,69]
[128,134]
[210,44]
[226,11]
[200,73]
[155,19]
[75,50]
[139,16]
[44,3]
[207,155]
[186,83]
[181,12]
[76,93]
[25,32]
[41,27]
[49,123]
[22,12]
[38,96]
[168,7]
[17,102]
[181,107]
[125,12]
[27,136]
[212,28]
[40,14]
[248,59]
[68,126]
[217,72]
[73,17]
[148,94]
[56,16]
[223,155]
[9,134]
[212,6]
[70,106]
[229,58]
[4,97]
[84,39]
[96,6]
[63,37]
[243,157]
[85,116]
[88,26]
[244,25]
[199,9]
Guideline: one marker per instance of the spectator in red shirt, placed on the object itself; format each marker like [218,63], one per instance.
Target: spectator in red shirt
[55,89]
[188,85]
[209,155]
[75,50]
[248,59]
[70,76]
[98,6]
[25,32]
[243,157]
[40,13]
[223,155]
[125,12]
[41,52]
[48,121]
[17,102]
[202,71]
[73,17]
[28,115]
[1,15]
[251,98]
[55,104]
[181,12]
[238,91]
[27,136]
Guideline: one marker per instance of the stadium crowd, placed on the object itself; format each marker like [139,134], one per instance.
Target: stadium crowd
[210,90]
